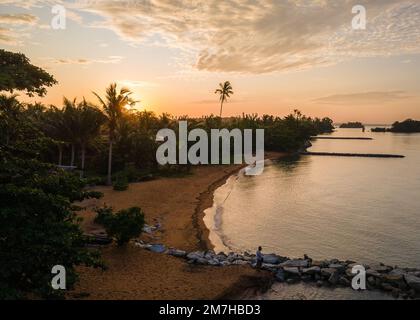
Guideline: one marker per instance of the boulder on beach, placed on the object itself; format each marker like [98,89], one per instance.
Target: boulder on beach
[280,275]
[158,248]
[297,263]
[177,253]
[292,270]
[312,270]
[413,282]
[195,255]
[271,259]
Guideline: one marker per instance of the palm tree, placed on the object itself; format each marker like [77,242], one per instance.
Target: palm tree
[89,121]
[71,125]
[224,91]
[10,109]
[54,127]
[114,106]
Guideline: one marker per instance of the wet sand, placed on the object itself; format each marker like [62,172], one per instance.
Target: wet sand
[178,205]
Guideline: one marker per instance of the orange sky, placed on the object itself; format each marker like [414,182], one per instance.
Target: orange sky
[279,55]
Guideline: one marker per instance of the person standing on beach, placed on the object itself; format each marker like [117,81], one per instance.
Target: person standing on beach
[260,258]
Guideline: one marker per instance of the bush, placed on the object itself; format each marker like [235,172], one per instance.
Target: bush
[103,215]
[124,225]
[121,183]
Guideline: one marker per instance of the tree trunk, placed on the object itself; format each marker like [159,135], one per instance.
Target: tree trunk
[83,159]
[72,155]
[60,155]
[109,180]
[221,109]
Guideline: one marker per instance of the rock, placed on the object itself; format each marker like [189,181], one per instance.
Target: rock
[148,229]
[220,256]
[292,280]
[209,255]
[387,286]
[396,293]
[201,261]
[280,275]
[195,255]
[381,268]
[240,262]
[319,283]
[392,278]
[143,245]
[327,272]
[297,263]
[334,278]
[373,273]
[271,259]
[344,281]
[337,266]
[306,278]
[214,262]
[311,270]
[371,281]
[269,266]
[177,253]
[413,282]
[158,248]
[292,270]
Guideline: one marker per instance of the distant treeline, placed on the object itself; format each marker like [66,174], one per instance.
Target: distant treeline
[352,125]
[77,134]
[407,126]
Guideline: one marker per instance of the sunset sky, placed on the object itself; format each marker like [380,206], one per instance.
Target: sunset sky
[279,54]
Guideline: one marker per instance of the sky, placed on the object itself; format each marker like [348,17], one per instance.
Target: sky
[279,55]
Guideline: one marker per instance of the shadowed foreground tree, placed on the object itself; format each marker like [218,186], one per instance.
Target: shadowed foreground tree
[16,73]
[224,91]
[37,219]
[114,106]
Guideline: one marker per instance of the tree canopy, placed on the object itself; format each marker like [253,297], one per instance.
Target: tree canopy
[17,73]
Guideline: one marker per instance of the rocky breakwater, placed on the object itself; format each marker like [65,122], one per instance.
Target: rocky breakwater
[400,282]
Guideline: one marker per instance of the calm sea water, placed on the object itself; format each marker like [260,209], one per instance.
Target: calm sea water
[362,209]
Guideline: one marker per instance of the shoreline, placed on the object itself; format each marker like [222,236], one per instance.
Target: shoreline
[138,274]
[135,272]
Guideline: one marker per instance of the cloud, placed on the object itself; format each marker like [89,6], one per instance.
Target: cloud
[83,61]
[264,36]
[20,19]
[11,36]
[364,98]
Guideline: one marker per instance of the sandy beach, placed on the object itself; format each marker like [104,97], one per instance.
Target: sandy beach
[178,205]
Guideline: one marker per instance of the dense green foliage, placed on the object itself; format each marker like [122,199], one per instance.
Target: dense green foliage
[121,182]
[18,74]
[123,225]
[37,221]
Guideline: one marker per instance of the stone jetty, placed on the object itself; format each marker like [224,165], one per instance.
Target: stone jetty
[400,282]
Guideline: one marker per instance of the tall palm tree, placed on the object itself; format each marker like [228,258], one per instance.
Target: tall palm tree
[89,121]
[114,106]
[71,125]
[54,127]
[224,91]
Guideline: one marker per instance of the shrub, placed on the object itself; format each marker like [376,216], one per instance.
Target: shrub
[121,183]
[103,215]
[124,225]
